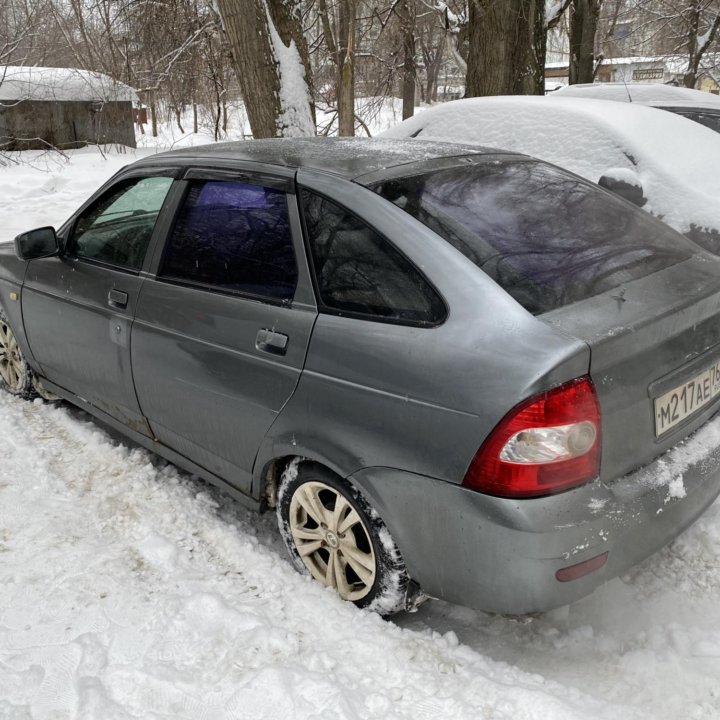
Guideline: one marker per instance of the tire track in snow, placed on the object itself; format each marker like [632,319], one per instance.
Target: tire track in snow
[139,593]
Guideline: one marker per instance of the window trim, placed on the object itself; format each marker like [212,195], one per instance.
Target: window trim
[204,175]
[247,177]
[323,308]
[219,290]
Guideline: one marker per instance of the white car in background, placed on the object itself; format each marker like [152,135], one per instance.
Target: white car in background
[702,107]
[668,165]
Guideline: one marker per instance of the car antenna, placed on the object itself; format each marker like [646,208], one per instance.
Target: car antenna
[627,90]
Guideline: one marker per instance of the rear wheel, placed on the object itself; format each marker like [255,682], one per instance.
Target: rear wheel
[332,533]
[16,377]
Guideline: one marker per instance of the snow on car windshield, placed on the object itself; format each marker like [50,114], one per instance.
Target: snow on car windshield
[676,160]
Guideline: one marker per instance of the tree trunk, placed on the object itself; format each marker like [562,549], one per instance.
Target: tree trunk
[434,74]
[178,119]
[346,68]
[407,18]
[247,27]
[693,56]
[583,27]
[286,16]
[502,56]
[153,115]
[538,50]
[695,49]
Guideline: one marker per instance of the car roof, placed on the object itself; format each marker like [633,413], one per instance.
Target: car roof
[348,157]
[655,94]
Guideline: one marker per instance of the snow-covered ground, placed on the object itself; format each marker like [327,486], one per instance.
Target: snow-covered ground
[130,590]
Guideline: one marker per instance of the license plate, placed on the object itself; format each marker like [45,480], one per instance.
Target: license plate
[686,399]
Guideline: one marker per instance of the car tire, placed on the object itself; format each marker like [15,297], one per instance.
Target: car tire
[16,377]
[333,534]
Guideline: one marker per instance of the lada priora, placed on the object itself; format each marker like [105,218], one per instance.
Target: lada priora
[451,371]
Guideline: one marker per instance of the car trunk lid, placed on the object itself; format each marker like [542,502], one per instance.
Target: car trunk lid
[655,358]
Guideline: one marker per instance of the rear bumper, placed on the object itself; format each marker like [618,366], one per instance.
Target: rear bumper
[501,555]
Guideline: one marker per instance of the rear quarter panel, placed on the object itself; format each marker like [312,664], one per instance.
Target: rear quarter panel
[421,399]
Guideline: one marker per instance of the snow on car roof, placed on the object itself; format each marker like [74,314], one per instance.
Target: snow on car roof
[60,84]
[655,94]
[350,157]
[677,160]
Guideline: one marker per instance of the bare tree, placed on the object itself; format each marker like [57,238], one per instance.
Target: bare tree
[686,30]
[506,51]
[584,16]
[265,39]
[26,33]
[407,14]
[339,26]
[690,28]
[432,42]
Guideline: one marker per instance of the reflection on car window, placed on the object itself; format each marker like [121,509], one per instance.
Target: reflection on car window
[235,237]
[545,236]
[117,229]
[359,272]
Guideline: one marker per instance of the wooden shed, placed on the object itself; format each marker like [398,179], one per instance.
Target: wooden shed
[64,108]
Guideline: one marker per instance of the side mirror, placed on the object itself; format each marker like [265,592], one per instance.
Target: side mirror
[624,183]
[40,243]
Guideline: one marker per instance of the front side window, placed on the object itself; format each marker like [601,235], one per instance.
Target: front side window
[357,271]
[116,230]
[233,237]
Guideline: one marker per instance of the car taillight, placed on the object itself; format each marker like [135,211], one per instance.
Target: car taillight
[548,443]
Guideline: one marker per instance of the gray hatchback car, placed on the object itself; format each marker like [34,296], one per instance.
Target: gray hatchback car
[452,371]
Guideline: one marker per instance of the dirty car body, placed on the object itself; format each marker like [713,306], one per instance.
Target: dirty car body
[394,312]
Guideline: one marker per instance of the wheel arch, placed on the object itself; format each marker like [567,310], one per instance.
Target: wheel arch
[277,451]
[10,304]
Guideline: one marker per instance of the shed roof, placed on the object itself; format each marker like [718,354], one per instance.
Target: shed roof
[60,84]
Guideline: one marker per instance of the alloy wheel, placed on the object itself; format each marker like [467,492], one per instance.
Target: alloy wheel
[332,540]
[12,366]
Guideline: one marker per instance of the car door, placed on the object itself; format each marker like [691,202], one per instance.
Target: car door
[223,324]
[78,308]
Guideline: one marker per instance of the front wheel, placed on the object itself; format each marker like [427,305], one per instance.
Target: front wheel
[16,377]
[332,532]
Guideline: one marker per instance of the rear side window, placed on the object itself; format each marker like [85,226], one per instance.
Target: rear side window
[360,273]
[548,238]
[233,237]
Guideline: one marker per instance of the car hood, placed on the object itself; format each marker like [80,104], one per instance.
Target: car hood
[676,160]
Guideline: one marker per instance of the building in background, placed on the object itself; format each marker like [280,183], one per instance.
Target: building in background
[63,108]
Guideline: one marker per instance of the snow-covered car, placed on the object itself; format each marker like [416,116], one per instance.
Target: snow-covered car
[665,163]
[702,107]
[451,371]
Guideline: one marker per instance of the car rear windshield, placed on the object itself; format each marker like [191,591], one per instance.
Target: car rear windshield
[547,237]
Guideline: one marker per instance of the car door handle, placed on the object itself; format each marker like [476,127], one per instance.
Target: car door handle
[118,299]
[271,342]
